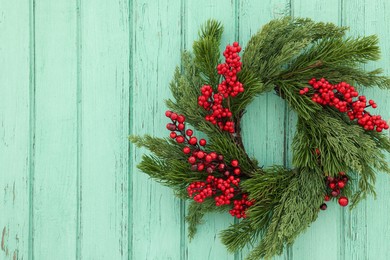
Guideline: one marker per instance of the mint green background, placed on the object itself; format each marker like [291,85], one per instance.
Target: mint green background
[77,77]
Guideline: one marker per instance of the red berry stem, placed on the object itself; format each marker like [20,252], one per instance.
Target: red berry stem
[230,87]
[223,179]
[341,96]
[335,186]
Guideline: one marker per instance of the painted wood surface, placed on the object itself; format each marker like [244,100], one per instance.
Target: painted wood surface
[77,77]
[15,128]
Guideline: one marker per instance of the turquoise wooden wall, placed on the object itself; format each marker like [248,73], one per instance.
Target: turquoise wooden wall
[77,77]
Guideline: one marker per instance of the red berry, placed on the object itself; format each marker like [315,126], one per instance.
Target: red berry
[168,113]
[193,141]
[186,150]
[341,184]
[335,193]
[173,135]
[180,127]
[237,171]
[323,206]
[189,132]
[343,201]
[221,166]
[332,185]
[191,159]
[181,119]
[174,116]
[327,198]
[234,163]
[200,154]
[180,139]
[171,127]
[202,142]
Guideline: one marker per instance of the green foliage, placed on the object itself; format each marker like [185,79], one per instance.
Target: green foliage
[278,42]
[287,201]
[167,165]
[196,212]
[207,53]
[253,88]
[297,208]
[283,56]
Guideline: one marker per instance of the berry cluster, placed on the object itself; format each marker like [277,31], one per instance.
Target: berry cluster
[341,96]
[335,186]
[222,181]
[240,206]
[229,87]
[209,188]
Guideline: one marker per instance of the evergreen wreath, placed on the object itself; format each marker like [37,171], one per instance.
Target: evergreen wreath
[337,148]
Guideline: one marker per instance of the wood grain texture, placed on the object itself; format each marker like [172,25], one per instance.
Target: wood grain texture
[156,214]
[77,77]
[14,125]
[54,192]
[104,97]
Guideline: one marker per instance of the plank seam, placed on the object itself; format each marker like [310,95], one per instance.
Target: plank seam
[289,251]
[131,129]
[32,87]
[183,237]
[79,131]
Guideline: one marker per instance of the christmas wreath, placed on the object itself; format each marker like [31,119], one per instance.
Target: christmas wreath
[337,149]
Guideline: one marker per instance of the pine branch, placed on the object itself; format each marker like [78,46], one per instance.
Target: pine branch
[206,51]
[297,209]
[196,212]
[281,40]
[265,188]
[237,236]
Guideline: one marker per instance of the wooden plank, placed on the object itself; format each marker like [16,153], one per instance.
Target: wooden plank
[206,243]
[354,226]
[55,175]
[105,127]
[324,239]
[377,226]
[267,112]
[14,125]
[156,220]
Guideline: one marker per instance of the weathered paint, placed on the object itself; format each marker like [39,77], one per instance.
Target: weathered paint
[77,77]
[15,60]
